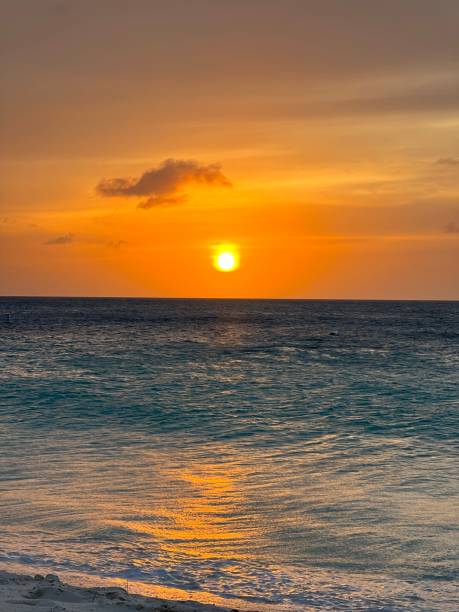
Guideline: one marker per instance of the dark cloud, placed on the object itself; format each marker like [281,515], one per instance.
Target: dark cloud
[448,161]
[162,185]
[64,239]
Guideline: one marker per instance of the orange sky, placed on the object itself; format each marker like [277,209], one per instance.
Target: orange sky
[334,126]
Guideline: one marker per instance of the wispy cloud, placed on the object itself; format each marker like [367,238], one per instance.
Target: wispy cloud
[448,161]
[64,239]
[157,200]
[116,244]
[163,185]
[452,228]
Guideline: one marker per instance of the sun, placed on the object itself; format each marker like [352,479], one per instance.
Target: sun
[226,258]
[226,262]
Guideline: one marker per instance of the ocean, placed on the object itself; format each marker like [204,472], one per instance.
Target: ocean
[277,455]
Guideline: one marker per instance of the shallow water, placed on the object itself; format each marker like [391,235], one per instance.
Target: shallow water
[298,455]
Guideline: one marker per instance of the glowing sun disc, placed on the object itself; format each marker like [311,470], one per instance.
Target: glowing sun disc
[226,260]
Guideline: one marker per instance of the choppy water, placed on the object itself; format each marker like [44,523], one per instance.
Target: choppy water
[294,454]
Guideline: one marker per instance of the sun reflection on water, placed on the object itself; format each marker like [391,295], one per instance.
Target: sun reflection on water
[197,516]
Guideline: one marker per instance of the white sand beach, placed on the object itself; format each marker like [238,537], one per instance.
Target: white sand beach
[20,593]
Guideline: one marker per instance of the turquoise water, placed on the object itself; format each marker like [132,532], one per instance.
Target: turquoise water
[293,454]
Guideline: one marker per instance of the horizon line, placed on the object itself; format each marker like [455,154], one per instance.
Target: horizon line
[246,299]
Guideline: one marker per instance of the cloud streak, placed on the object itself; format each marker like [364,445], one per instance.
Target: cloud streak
[448,161]
[452,228]
[163,185]
[65,239]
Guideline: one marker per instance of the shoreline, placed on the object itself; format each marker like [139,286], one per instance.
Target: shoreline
[21,592]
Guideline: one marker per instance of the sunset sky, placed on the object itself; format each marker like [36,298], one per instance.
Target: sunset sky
[318,141]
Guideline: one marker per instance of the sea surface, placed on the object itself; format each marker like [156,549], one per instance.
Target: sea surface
[275,455]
